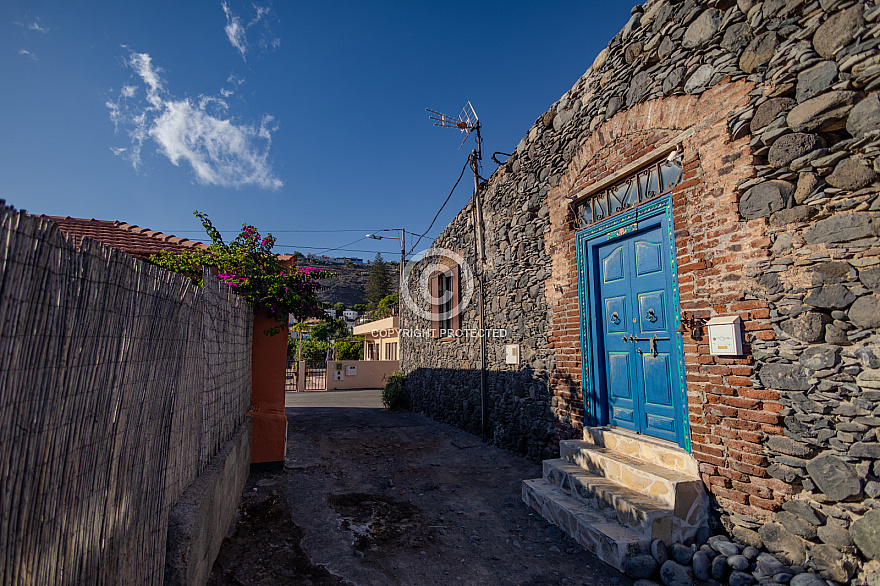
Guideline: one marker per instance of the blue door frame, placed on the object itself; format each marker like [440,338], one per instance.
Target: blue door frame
[602,406]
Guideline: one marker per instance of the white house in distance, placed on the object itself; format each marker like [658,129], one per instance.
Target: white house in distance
[350,314]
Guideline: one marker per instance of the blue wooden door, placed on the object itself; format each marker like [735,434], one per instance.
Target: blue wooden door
[636,326]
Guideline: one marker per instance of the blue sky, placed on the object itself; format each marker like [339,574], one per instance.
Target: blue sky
[298,118]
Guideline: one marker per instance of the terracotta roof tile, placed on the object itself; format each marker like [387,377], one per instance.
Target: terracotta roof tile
[136,241]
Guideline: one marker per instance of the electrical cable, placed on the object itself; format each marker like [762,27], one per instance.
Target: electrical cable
[344,245]
[441,208]
[271,231]
[295,247]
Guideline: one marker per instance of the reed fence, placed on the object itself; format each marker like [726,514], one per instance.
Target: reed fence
[119,382]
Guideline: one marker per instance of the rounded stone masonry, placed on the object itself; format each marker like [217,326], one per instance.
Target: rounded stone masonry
[830,297]
[842,228]
[758,52]
[838,31]
[793,146]
[702,29]
[837,479]
[790,377]
[765,198]
[823,113]
[769,110]
[808,327]
[851,174]
[865,312]
[816,80]
[864,119]
[865,534]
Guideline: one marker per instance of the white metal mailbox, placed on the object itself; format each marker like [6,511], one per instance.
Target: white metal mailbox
[511,354]
[725,335]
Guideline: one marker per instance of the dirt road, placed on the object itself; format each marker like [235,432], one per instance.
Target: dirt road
[372,497]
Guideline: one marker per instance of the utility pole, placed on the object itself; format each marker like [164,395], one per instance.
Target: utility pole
[400,283]
[468,122]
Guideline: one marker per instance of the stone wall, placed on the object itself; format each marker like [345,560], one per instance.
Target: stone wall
[776,108]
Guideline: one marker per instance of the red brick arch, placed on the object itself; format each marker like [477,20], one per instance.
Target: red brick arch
[715,250]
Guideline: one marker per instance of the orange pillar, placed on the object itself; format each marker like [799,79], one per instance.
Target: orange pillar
[269,431]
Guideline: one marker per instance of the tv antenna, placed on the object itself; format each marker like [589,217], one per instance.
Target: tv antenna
[467,122]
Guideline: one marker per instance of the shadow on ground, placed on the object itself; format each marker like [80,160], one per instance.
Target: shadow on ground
[371,497]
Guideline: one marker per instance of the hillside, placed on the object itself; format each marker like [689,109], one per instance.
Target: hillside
[350,284]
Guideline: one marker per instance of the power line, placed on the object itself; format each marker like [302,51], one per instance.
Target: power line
[270,231]
[344,249]
[344,245]
[441,208]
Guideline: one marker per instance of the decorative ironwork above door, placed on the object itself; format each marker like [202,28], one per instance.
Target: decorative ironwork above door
[639,186]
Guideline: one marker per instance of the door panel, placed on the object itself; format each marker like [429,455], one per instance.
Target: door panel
[619,375]
[613,265]
[652,311]
[656,379]
[619,356]
[615,315]
[647,258]
[637,332]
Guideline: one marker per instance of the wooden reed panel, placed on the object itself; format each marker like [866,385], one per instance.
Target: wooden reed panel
[119,382]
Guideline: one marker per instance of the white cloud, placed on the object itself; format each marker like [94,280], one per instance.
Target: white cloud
[32,26]
[236,83]
[237,31]
[198,132]
[26,53]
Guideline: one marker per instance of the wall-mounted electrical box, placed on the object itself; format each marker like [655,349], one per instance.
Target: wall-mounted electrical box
[511,353]
[338,375]
[725,335]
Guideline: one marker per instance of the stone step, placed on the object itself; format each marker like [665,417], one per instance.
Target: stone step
[646,516]
[644,447]
[671,487]
[611,541]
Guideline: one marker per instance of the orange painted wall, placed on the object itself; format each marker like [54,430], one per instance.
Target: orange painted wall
[269,433]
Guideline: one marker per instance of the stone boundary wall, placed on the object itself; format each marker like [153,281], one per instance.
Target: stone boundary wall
[777,221]
[121,383]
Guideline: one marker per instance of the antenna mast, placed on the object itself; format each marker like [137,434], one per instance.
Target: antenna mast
[468,122]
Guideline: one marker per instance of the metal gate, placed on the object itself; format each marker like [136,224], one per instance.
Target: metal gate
[291,375]
[316,376]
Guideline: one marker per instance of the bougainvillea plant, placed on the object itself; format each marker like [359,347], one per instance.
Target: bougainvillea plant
[249,267]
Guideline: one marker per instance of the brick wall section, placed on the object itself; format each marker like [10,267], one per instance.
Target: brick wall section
[728,417]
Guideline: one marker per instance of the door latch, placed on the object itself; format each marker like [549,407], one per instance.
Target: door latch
[653,340]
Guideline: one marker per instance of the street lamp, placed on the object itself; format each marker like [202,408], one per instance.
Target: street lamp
[402,240]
